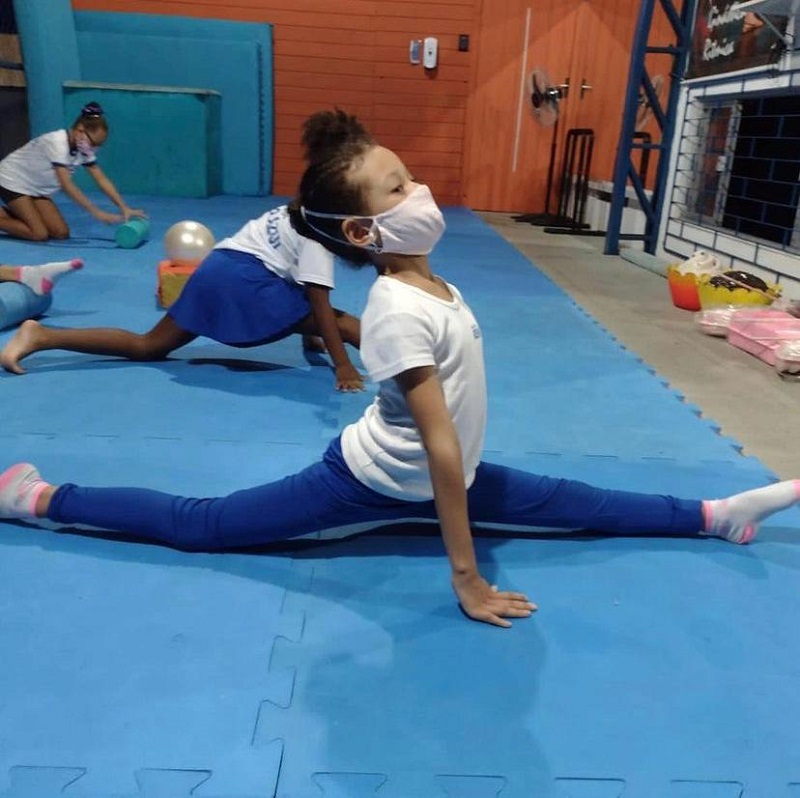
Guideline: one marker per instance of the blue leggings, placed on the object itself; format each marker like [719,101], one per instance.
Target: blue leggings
[326,497]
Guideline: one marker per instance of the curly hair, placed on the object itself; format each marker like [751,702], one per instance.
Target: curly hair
[327,133]
[333,141]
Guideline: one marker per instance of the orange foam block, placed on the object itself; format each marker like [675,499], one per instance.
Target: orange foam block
[171,279]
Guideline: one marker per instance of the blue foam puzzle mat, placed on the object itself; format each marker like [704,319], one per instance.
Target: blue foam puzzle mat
[238,398]
[132,657]
[538,365]
[647,664]
[656,667]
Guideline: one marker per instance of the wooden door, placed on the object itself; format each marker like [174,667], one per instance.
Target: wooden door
[506,153]
[600,69]
[585,42]
[605,32]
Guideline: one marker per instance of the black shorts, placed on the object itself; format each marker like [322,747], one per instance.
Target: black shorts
[7,195]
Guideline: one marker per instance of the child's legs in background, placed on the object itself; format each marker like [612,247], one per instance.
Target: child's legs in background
[21,218]
[51,216]
[155,344]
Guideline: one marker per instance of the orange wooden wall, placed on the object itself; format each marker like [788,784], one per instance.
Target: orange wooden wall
[576,42]
[450,127]
[354,54]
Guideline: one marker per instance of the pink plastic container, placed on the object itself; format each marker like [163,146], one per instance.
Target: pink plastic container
[761,332]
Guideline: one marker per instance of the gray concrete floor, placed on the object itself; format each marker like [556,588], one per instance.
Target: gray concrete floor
[744,396]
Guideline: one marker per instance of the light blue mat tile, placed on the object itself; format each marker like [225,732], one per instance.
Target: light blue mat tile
[654,668]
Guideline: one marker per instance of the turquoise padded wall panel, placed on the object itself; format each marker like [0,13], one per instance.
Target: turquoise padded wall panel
[232,58]
[50,53]
[161,60]
[162,141]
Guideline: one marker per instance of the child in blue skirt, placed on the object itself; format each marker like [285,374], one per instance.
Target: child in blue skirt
[415,454]
[268,281]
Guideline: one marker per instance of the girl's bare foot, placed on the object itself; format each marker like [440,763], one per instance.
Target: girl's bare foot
[20,346]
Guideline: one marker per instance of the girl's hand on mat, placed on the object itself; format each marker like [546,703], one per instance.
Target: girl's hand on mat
[348,379]
[108,218]
[133,213]
[484,602]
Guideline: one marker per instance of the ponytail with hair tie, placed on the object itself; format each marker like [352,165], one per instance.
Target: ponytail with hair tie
[91,110]
[92,117]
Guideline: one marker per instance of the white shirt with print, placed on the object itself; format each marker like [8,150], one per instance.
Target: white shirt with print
[273,240]
[30,169]
[404,327]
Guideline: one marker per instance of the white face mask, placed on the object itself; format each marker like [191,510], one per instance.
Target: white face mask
[84,146]
[412,227]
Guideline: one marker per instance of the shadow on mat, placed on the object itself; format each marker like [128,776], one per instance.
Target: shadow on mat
[231,375]
[235,364]
[411,540]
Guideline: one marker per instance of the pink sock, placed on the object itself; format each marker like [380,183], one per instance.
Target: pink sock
[20,487]
[41,279]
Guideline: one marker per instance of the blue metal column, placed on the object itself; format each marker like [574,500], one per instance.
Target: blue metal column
[50,54]
[639,80]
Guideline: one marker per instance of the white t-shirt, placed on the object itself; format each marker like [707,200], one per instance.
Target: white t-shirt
[404,327]
[273,240]
[29,170]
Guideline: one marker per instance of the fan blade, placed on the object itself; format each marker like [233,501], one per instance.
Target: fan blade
[546,115]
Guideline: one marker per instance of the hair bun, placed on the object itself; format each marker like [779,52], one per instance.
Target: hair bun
[92,109]
[329,132]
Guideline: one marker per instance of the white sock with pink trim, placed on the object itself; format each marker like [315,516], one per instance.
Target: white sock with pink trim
[737,518]
[20,487]
[41,279]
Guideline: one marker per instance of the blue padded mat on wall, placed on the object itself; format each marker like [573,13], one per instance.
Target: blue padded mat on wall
[233,58]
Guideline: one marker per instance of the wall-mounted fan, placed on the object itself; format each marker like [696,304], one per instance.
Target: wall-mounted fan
[545,98]
[644,113]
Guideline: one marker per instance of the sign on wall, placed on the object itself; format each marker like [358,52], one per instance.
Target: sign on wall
[726,40]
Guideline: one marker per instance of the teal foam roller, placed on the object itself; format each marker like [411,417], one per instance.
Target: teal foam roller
[131,233]
[18,302]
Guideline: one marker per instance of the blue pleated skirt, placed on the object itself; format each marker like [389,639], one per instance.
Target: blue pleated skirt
[234,299]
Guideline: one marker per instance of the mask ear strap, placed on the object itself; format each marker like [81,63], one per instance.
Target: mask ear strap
[371,245]
[305,214]
[320,215]
[371,233]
